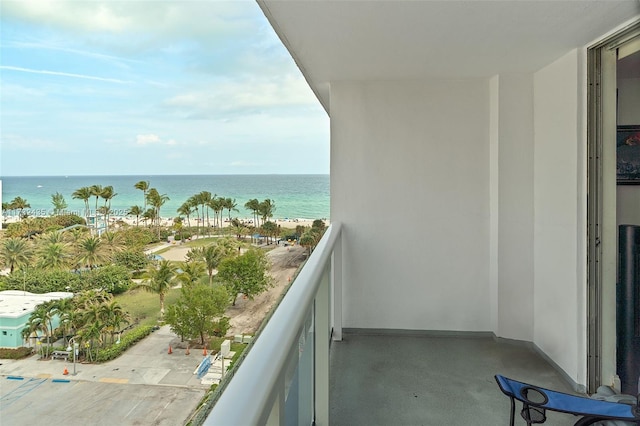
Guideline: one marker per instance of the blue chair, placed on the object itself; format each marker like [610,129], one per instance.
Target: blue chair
[536,400]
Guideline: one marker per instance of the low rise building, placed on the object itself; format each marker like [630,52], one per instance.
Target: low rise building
[15,309]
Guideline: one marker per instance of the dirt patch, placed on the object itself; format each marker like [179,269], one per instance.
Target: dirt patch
[247,315]
[176,254]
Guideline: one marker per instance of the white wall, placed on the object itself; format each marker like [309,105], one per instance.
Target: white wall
[515,230]
[410,183]
[559,317]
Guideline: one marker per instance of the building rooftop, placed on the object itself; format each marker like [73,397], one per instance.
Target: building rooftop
[16,303]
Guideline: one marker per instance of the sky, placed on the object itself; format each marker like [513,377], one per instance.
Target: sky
[152,87]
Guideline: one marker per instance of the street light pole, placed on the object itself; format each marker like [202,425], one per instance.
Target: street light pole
[75,352]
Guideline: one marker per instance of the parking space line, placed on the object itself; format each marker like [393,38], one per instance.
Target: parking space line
[20,391]
[113,380]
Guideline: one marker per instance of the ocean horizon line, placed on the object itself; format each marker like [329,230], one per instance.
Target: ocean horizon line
[294,195]
[170,174]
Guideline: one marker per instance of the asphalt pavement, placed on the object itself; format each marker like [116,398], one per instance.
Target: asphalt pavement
[144,386]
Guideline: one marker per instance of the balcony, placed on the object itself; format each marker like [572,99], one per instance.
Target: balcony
[295,374]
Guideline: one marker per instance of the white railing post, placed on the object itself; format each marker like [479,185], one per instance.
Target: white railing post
[289,358]
[336,276]
[276,416]
[323,335]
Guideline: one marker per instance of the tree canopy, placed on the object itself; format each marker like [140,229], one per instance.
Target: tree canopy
[199,312]
[246,274]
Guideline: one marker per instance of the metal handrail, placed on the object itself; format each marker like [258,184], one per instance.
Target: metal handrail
[250,392]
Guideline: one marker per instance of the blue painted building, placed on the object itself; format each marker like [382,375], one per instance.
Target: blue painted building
[15,309]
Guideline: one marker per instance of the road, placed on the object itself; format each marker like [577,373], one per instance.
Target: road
[144,386]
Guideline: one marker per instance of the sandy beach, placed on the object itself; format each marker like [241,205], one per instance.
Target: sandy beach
[117,221]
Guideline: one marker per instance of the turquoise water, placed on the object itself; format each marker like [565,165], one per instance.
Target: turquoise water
[295,196]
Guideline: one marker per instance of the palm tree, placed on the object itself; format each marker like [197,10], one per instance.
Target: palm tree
[20,204]
[270,229]
[51,237]
[136,211]
[266,209]
[150,215]
[41,320]
[59,203]
[64,309]
[191,272]
[87,297]
[157,200]
[217,204]
[113,316]
[308,240]
[254,206]
[177,226]
[73,236]
[230,204]
[185,209]
[194,201]
[91,330]
[15,252]
[159,280]
[53,255]
[107,194]
[91,252]
[95,191]
[205,198]
[239,229]
[143,186]
[83,194]
[112,242]
[212,255]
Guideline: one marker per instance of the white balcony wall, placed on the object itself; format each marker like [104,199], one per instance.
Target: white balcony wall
[514,121]
[560,211]
[410,183]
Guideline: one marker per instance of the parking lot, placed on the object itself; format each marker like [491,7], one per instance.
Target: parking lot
[145,386]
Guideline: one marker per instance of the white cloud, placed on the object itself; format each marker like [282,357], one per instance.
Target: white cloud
[147,139]
[244,94]
[216,61]
[62,74]
[151,22]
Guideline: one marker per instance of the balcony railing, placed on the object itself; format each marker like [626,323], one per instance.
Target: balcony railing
[284,379]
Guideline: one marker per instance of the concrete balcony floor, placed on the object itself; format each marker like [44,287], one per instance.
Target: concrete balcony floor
[426,379]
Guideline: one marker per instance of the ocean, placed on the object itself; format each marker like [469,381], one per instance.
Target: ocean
[295,196]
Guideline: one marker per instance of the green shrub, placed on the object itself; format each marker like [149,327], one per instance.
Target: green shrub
[132,259]
[113,279]
[37,225]
[15,353]
[126,341]
[66,220]
[42,281]
[136,236]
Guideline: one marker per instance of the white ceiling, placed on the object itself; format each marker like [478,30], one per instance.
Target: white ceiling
[412,39]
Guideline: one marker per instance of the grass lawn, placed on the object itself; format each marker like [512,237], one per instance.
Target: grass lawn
[200,242]
[144,306]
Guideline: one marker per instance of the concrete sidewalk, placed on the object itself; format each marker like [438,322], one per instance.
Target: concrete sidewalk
[146,363]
